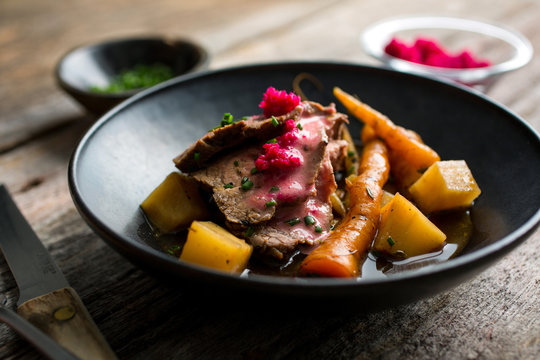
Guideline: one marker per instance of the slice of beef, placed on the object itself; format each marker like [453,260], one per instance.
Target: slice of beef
[304,190]
[253,129]
[248,207]
[230,136]
[280,236]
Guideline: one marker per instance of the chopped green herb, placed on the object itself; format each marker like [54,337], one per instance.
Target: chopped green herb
[175,247]
[249,231]
[271,203]
[299,126]
[390,241]
[254,171]
[293,221]
[351,170]
[318,229]
[247,185]
[236,163]
[272,141]
[370,193]
[274,189]
[332,227]
[244,179]
[275,122]
[228,186]
[350,153]
[244,117]
[196,156]
[141,76]
[170,252]
[309,220]
[227,119]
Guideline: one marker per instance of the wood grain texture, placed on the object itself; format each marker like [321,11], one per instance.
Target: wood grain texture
[493,316]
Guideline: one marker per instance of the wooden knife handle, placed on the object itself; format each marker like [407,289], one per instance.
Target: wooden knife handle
[62,315]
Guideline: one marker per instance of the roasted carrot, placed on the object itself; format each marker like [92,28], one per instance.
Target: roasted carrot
[340,253]
[404,174]
[417,154]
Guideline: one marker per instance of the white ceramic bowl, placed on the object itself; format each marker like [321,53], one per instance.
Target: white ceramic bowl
[507,49]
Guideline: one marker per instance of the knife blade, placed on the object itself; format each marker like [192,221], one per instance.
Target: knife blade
[45,298]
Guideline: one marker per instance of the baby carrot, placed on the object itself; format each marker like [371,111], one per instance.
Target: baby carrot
[417,154]
[340,253]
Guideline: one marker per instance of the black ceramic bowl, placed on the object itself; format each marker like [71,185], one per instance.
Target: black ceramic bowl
[128,152]
[98,65]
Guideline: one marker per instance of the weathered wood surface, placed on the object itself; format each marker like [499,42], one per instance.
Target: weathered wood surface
[496,315]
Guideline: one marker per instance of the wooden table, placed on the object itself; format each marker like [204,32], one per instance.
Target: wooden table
[495,315]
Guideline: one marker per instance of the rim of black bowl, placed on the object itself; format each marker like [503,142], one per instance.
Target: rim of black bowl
[164,261]
[91,46]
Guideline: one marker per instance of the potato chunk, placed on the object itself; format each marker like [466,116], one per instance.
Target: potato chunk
[174,204]
[445,185]
[212,246]
[403,228]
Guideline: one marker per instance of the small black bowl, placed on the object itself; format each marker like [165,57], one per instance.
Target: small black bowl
[98,65]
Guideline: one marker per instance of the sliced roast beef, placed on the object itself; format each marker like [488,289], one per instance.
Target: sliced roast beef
[273,207]
[230,136]
[306,223]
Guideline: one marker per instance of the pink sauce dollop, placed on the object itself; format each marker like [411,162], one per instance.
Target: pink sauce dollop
[276,103]
[429,52]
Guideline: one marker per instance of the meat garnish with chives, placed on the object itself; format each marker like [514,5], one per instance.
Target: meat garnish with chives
[289,152]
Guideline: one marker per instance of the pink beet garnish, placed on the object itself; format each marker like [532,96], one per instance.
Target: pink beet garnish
[429,52]
[276,103]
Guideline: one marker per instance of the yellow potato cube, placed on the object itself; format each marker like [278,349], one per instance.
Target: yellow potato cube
[403,228]
[445,185]
[212,246]
[174,204]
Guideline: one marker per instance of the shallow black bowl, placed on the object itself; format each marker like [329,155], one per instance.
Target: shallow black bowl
[98,65]
[128,152]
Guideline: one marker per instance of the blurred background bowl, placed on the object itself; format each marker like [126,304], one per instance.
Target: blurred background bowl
[506,49]
[88,67]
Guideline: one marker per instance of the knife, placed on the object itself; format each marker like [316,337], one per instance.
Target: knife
[45,298]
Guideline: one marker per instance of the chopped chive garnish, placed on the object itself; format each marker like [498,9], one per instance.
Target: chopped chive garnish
[350,153]
[227,119]
[254,171]
[293,221]
[332,227]
[272,141]
[236,163]
[274,189]
[228,186]
[196,156]
[390,241]
[369,192]
[318,229]
[351,170]
[271,203]
[299,126]
[244,179]
[247,185]
[309,220]
[175,247]
[249,231]
[170,252]
[274,121]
